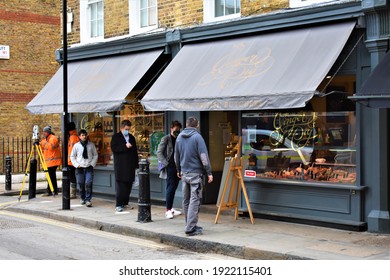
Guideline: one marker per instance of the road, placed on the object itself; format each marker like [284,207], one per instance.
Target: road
[29,237]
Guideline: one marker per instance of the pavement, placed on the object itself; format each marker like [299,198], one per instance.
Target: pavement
[264,240]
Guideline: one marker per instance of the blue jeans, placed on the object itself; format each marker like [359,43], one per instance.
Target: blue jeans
[84,178]
[172,183]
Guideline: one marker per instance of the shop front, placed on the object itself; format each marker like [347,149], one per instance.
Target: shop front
[285,94]
[103,91]
[281,83]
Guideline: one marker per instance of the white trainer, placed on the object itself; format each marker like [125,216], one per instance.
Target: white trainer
[169,214]
[175,212]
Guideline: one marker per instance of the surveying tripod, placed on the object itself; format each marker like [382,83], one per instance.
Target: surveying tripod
[36,148]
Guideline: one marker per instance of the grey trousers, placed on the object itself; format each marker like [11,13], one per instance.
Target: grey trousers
[192,184]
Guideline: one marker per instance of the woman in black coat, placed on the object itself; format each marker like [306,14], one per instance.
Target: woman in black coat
[124,148]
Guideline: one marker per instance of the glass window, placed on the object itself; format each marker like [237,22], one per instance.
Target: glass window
[227,7]
[311,146]
[142,16]
[148,13]
[96,18]
[100,128]
[147,128]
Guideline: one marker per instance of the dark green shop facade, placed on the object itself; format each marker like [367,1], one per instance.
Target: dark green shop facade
[287,84]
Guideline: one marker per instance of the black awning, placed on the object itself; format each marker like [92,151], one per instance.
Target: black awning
[375,91]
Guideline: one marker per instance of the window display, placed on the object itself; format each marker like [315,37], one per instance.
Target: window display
[147,128]
[307,146]
[100,128]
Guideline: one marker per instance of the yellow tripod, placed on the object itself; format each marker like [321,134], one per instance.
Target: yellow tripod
[36,148]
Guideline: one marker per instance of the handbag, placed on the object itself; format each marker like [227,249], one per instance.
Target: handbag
[163,174]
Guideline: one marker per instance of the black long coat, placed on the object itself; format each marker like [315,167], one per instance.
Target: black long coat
[125,159]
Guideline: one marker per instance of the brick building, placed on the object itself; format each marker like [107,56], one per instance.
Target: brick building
[249,70]
[31,29]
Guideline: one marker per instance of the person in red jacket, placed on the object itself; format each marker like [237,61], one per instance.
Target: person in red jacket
[73,139]
[52,154]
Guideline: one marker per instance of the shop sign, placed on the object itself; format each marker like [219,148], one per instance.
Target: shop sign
[299,128]
[4,52]
[250,173]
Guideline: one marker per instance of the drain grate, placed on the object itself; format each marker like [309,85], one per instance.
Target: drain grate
[11,224]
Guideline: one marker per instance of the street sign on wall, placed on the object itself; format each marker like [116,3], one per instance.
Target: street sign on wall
[4,52]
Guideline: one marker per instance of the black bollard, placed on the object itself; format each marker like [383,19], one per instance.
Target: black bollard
[65,188]
[8,173]
[32,182]
[144,213]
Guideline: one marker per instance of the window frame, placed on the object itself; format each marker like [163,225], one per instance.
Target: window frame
[209,12]
[135,17]
[85,21]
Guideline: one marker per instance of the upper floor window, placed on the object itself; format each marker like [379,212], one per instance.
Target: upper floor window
[91,20]
[226,7]
[143,15]
[96,18]
[215,10]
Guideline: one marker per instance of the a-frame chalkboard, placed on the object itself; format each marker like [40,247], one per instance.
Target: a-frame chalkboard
[232,184]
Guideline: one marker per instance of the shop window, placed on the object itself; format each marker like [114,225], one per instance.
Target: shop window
[91,20]
[143,16]
[310,146]
[216,10]
[147,128]
[100,128]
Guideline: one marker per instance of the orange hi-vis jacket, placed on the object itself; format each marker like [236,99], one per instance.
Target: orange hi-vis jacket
[51,150]
[73,139]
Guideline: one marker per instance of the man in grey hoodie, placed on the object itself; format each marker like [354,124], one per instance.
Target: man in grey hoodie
[192,163]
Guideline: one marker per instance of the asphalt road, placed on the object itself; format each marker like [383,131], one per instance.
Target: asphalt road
[28,237]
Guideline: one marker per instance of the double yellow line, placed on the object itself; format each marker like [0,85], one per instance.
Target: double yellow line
[11,202]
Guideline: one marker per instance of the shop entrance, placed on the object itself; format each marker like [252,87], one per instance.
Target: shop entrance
[220,130]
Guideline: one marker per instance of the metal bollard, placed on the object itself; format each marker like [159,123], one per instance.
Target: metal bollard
[65,188]
[144,213]
[32,182]
[8,173]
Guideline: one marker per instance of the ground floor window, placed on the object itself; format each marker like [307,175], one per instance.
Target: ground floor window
[306,145]
[147,128]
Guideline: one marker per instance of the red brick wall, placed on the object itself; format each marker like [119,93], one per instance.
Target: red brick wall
[31,28]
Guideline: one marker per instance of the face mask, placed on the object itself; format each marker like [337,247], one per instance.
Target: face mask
[125,132]
[176,133]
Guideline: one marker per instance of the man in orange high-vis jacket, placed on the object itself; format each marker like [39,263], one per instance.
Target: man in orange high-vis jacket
[52,154]
[72,140]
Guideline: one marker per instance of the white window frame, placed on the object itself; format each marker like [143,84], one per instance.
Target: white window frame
[85,22]
[303,3]
[209,12]
[135,18]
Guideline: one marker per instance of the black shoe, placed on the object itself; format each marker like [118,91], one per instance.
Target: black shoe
[196,231]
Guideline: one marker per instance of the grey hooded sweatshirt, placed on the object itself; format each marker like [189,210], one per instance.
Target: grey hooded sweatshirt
[191,152]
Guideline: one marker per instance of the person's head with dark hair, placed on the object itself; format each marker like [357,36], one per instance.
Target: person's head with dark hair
[192,122]
[125,123]
[175,128]
[125,127]
[71,126]
[83,131]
